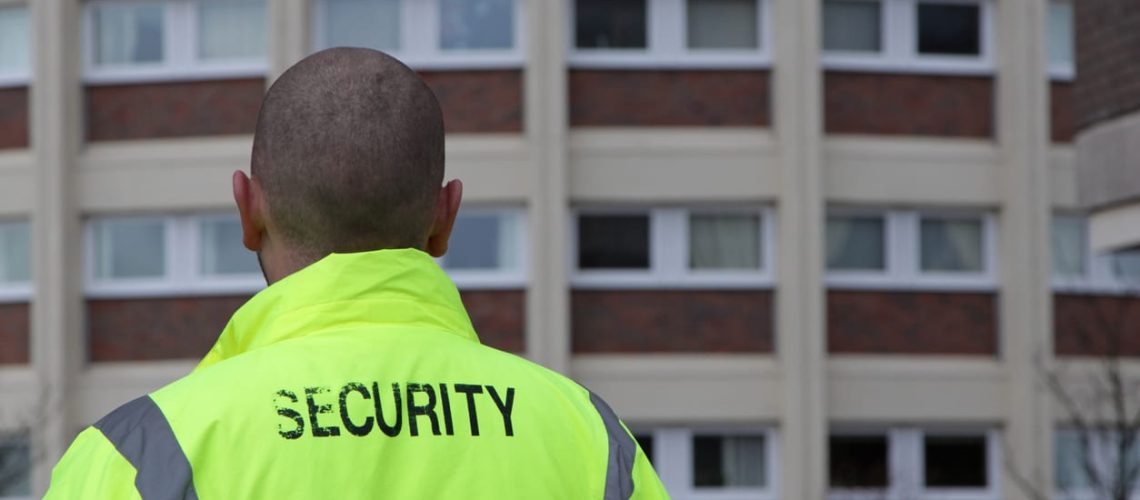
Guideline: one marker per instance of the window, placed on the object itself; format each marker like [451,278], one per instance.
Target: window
[949,29]
[713,463]
[852,26]
[670,33]
[955,462]
[426,33]
[1061,39]
[175,39]
[1126,265]
[672,247]
[910,249]
[859,461]
[1070,246]
[487,249]
[1076,453]
[15,42]
[728,461]
[1077,269]
[15,466]
[1070,458]
[15,255]
[169,255]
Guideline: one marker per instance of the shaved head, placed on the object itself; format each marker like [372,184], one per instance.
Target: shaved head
[349,153]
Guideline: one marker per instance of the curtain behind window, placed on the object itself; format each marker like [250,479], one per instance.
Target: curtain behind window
[129,34]
[723,24]
[743,461]
[724,242]
[233,29]
[952,245]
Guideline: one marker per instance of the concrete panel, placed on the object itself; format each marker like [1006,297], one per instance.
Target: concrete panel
[1115,228]
[1063,177]
[16,183]
[1109,155]
[102,388]
[945,390]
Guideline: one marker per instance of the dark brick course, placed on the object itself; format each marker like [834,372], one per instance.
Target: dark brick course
[1063,121]
[1108,78]
[479,101]
[1096,325]
[921,105]
[669,98]
[873,322]
[629,321]
[499,316]
[154,329]
[14,118]
[14,334]
[182,109]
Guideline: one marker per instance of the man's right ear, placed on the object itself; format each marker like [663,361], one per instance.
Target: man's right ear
[247,198]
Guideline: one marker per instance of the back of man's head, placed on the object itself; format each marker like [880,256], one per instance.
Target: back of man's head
[349,153]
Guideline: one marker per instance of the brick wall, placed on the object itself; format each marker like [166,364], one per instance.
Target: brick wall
[669,98]
[499,316]
[479,101]
[181,109]
[14,118]
[912,323]
[1063,121]
[627,321]
[1096,325]
[923,105]
[1108,78]
[153,329]
[14,338]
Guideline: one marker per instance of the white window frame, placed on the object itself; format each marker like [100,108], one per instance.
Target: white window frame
[180,60]
[899,44]
[420,47]
[182,276]
[666,33]
[1065,72]
[903,255]
[1098,277]
[907,465]
[511,278]
[14,292]
[673,460]
[669,253]
[22,77]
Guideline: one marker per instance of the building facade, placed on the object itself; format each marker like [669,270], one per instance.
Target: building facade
[807,249]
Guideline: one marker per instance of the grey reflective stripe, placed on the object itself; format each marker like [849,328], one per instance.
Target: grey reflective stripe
[142,435]
[619,473]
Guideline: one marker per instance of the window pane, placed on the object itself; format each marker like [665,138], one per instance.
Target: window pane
[231,29]
[15,466]
[223,252]
[1060,33]
[723,24]
[362,23]
[482,241]
[720,461]
[15,252]
[14,37]
[645,441]
[952,245]
[477,24]
[1126,265]
[1069,255]
[852,26]
[856,243]
[129,34]
[615,24]
[613,242]
[1069,457]
[956,462]
[724,242]
[858,461]
[130,248]
[949,29]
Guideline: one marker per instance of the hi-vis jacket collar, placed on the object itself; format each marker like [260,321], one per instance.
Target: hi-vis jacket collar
[404,287]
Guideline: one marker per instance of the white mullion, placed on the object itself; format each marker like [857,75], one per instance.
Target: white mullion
[668,243]
[903,259]
[990,261]
[176,256]
[416,45]
[988,34]
[905,37]
[908,462]
[675,451]
[178,35]
[768,246]
[666,33]
[772,456]
[764,26]
[5,234]
[993,459]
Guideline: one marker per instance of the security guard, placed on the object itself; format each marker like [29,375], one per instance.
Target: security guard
[356,373]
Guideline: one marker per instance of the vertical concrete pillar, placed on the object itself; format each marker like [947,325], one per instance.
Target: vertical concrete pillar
[290,37]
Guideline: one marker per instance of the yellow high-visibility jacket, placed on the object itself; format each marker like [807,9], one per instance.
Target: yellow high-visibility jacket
[359,376]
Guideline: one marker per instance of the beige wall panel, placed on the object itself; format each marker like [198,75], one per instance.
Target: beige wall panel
[651,389]
[105,386]
[1063,178]
[493,168]
[1108,154]
[678,164]
[910,171]
[1117,227]
[16,183]
[22,398]
[945,390]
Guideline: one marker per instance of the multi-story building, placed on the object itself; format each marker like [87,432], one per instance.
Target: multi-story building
[807,248]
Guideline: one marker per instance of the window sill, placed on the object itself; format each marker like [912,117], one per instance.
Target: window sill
[945,67]
[125,76]
[636,59]
[913,284]
[16,294]
[166,289]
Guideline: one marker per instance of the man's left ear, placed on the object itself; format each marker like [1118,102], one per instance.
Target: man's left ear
[446,209]
[252,226]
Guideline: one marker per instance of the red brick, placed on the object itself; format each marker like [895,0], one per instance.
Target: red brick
[1063,121]
[1107,43]
[628,321]
[921,105]
[154,329]
[1096,325]
[669,98]
[14,334]
[181,109]
[479,101]
[873,322]
[14,118]
[499,316]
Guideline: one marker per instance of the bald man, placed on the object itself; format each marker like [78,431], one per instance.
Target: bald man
[356,374]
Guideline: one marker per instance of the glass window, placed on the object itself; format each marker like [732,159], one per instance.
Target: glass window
[15,466]
[852,26]
[724,242]
[477,24]
[14,40]
[231,29]
[15,252]
[956,462]
[949,29]
[222,250]
[1060,33]
[129,33]
[859,461]
[856,243]
[1069,457]
[483,242]
[723,24]
[1126,265]
[951,245]
[362,23]
[1069,248]
[130,248]
[732,461]
[610,24]
[613,242]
